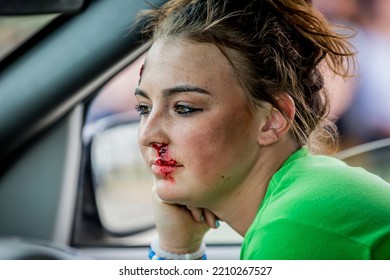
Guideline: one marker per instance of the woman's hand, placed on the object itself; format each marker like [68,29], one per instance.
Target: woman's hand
[180,228]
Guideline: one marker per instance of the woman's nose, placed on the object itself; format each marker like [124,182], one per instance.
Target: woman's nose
[152,130]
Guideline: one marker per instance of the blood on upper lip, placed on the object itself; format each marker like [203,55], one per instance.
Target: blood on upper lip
[166,165]
[162,162]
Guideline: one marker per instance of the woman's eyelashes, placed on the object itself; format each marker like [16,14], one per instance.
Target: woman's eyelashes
[143,109]
[180,109]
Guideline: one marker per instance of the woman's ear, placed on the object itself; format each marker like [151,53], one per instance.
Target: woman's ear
[276,124]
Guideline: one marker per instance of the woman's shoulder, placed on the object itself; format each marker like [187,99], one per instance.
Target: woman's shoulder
[320,173]
[324,188]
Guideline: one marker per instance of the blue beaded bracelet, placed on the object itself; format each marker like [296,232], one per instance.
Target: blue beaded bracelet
[164,255]
[153,256]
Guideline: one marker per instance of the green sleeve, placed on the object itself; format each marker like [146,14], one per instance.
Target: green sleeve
[289,240]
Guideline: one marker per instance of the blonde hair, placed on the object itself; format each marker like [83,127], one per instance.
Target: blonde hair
[275,46]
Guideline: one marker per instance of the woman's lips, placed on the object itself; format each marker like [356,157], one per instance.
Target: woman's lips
[163,162]
[164,168]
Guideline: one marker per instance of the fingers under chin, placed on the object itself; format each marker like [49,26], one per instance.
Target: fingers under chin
[211,219]
[197,214]
[201,215]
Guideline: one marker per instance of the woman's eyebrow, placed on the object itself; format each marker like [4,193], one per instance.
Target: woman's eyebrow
[184,88]
[140,92]
[174,90]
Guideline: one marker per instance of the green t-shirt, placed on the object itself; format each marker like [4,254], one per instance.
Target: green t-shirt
[317,207]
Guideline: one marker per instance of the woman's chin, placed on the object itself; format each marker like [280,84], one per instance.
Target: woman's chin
[166,190]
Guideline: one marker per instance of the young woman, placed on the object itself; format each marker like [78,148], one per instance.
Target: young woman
[232,109]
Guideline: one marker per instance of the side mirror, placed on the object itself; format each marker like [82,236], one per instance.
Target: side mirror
[121,179]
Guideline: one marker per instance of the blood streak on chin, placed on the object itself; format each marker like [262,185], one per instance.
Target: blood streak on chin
[166,166]
[166,171]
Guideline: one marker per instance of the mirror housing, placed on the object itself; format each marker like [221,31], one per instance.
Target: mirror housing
[122,183]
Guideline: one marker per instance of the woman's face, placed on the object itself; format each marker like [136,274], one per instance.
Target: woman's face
[198,133]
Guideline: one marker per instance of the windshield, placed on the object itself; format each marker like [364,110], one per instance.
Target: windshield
[15,30]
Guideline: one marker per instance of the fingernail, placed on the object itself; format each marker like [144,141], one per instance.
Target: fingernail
[217,224]
[202,218]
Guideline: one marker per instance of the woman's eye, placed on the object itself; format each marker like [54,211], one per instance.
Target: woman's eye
[142,109]
[185,110]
